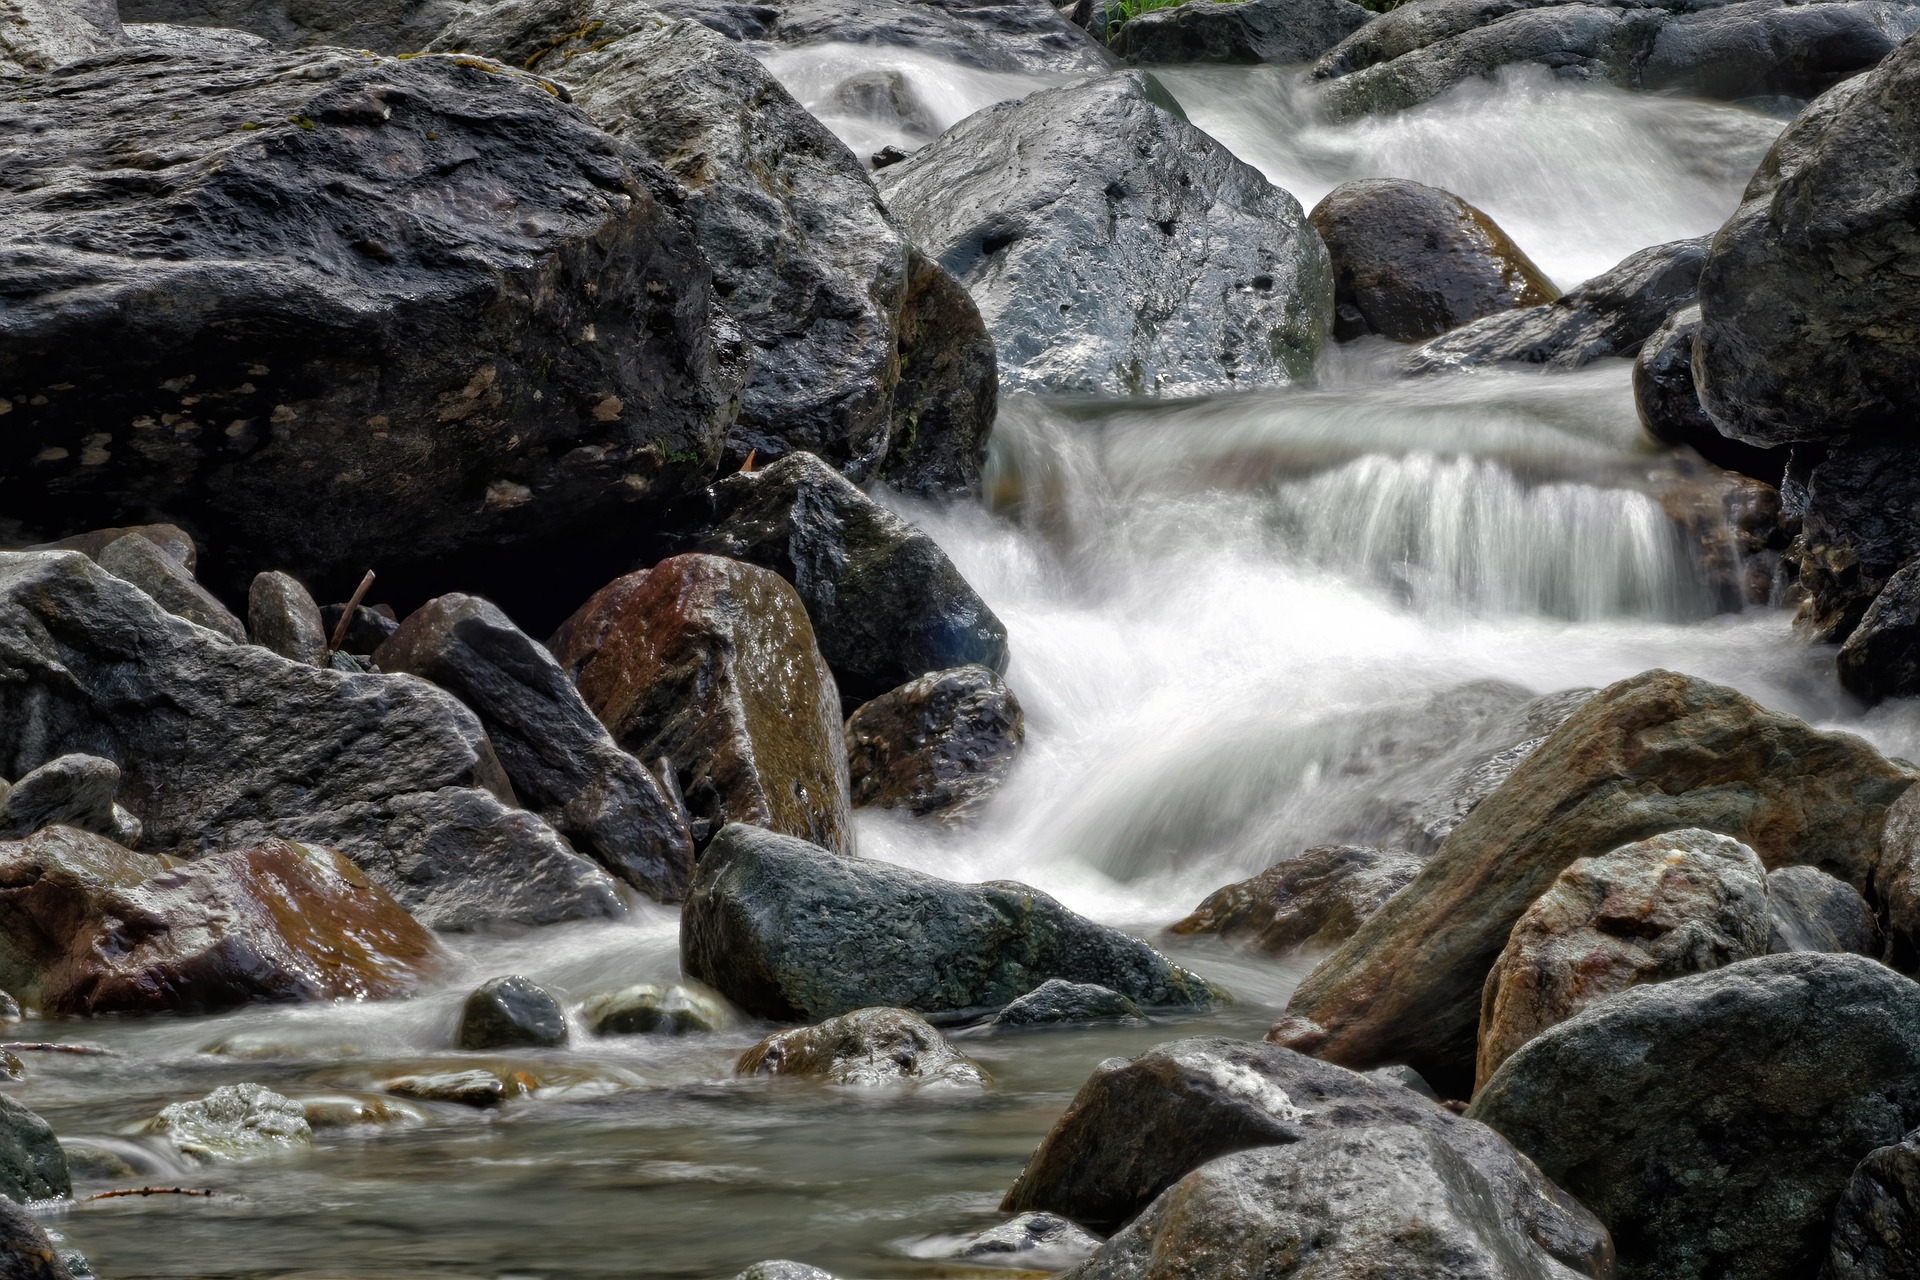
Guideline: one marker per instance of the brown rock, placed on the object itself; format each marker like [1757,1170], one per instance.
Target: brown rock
[1896,883]
[1653,753]
[1317,898]
[53,888]
[1684,902]
[1411,262]
[941,744]
[712,664]
[868,1047]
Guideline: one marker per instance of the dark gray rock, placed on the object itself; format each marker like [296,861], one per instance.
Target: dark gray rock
[1627,1106]
[939,745]
[1057,1001]
[1139,1126]
[437,312]
[1881,658]
[32,1165]
[867,1047]
[994,35]
[282,616]
[1876,1225]
[1240,31]
[1030,1242]
[886,604]
[1114,249]
[25,1251]
[70,791]
[1809,327]
[39,35]
[1405,1077]
[560,759]
[509,1012]
[1317,898]
[949,392]
[1609,315]
[223,745]
[384,26]
[1669,406]
[366,631]
[134,559]
[170,538]
[1857,504]
[788,931]
[1812,911]
[209,41]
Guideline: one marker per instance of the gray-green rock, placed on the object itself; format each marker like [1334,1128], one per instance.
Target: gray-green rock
[135,559]
[32,1164]
[1057,1001]
[869,1047]
[282,616]
[510,1011]
[74,790]
[234,1122]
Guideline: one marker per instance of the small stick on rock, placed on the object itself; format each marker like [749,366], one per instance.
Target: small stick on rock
[78,1047]
[346,618]
[146,1191]
[748,464]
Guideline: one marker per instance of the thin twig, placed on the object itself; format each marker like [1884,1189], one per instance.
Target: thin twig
[146,1191]
[346,619]
[46,1046]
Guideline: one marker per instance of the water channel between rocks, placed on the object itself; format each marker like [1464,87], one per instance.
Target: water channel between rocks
[1216,608]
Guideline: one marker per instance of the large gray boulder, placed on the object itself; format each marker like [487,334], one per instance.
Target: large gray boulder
[1114,249]
[1881,656]
[788,931]
[1714,1121]
[1876,1225]
[222,745]
[1807,321]
[381,311]
[1239,31]
[39,35]
[384,26]
[992,35]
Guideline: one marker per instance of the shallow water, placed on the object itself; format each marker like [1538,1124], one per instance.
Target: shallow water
[1212,605]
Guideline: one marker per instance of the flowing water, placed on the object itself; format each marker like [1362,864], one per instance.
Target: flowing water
[1215,607]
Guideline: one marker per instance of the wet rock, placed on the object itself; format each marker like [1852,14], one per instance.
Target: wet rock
[39,35]
[1139,1126]
[1685,902]
[352,1111]
[780,1269]
[1669,406]
[712,664]
[789,932]
[1807,332]
[1881,658]
[1244,31]
[1874,1229]
[1811,911]
[886,604]
[32,1165]
[949,392]
[109,1160]
[1411,262]
[938,745]
[1125,252]
[282,616]
[375,355]
[560,760]
[1317,898]
[1855,502]
[71,791]
[1057,1001]
[464,1088]
[1627,1106]
[1609,315]
[1010,35]
[10,1008]
[134,559]
[868,1047]
[235,1122]
[510,1011]
[221,745]
[26,1253]
[1030,1242]
[650,1009]
[1656,752]
[53,891]
[384,26]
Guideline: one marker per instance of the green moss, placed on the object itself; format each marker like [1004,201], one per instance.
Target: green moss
[303,121]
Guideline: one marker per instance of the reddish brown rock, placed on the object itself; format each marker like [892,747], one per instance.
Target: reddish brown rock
[53,888]
[712,664]
[1317,898]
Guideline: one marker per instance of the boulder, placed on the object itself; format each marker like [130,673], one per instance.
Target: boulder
[135,559]
[561,761]
[1238,32]
[233,1123]
[712,664]
[384,26]
[26,1252]
[508,1012]
[1057,1002]
[1628,1106]
[71,791]
[215,41]
[439,314]
[1685,902]
[939,745]
[282,616]
[1610,315]
[649,1009]
[1881,657]
[1669,406]
[1030,1242]
[1411,262]
[998,35]
[1876,1235]
[1811,911]
[886,604]
[1653,753]
[39,35]
[222,745]
[1807,329]
[54,887]
[869,1047]
[787,931]
[1315,899]
[1139,1126]
[1896,882]
[949,392]
[1114,249]
[32,1165]
[1856,502]
[170,538]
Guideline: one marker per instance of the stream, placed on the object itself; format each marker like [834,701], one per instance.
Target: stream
[1213,605]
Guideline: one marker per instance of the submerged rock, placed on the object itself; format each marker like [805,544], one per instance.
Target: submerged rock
[1030,1242]
[938,745]
[712,664]
[1876,1225]
[787,931]
[869,1047]
[464,1088]
[1057,1002]
[510,1011]
[1242,31]
[1809,910]
[235,1122]
[32,1164]
[282,616]
[780,1269]
[1714,1121]
[1123,252]
[1317,898]
[71,791]
[650,1009]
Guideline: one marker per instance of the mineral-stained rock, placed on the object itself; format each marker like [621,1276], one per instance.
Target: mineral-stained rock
[137,560]
[886,604]
[1411,262]
[26,1252]
[1881,658]
[1115,249]
[941,744]
[1714,1121]
[787,931]
[1875,1232]
[222,745]
[647,1008]
[71,791]
[1139,1126]
[53,890]
[1030,1242]
[1316,898]
[39,35]
[1243,31]
[380,311]
[1057,1002]
[561,760]
[711,663]
[1653,753]
[234,1122]
[1811,911]
[868,1047]
[510,1011]
[385,26]
[282,616]
[1684,902]
[32,1165]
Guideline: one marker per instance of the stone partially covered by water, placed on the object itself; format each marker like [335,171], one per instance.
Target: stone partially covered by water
[510,1011]
[868,1047]
[1057,1002]
[26,1252]
[233,1123]
[32,1164]
[1031,1242]
[649,1008]
[1317,898]
[939,745]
